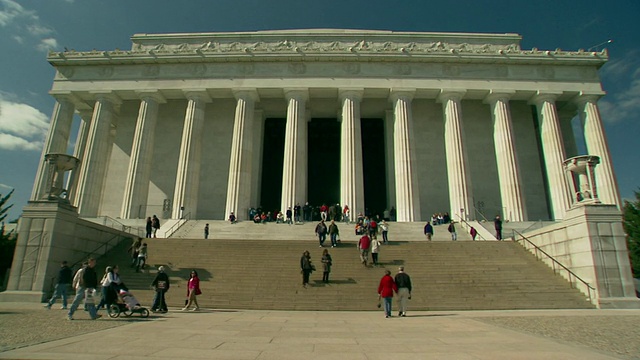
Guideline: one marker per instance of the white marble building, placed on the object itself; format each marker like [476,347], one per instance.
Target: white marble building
[424,122]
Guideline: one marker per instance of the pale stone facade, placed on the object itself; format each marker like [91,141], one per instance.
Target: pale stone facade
[471,122]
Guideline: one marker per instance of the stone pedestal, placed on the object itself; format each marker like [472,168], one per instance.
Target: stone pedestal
[43,243]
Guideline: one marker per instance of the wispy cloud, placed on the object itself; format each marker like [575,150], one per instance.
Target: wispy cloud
[3,186]
[25,25]
[22,127]
[622,102]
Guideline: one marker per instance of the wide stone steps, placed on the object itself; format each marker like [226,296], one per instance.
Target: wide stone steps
[259,274]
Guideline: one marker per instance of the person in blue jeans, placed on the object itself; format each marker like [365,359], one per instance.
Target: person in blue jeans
[79,286]
[62,286]
[90,281]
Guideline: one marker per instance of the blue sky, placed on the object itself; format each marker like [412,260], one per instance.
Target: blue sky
[29,28]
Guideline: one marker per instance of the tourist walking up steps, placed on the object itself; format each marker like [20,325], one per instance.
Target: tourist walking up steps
[62,286]
[452,230]
[375,250]
[193,290]
[384,228]
[403,281]
[306,267]
[385,291]
[428,231]
[333,233]
[321,232]
[364,244]
[326,266]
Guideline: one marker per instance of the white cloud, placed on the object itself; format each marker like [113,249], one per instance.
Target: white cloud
[621,103]
[47,44]
[22,127]
[5,186]
[25,27]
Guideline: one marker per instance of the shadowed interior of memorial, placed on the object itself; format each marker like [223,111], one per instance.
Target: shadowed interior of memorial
[323,169]
[272,161]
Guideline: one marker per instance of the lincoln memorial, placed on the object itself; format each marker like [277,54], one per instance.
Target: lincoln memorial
[209,123]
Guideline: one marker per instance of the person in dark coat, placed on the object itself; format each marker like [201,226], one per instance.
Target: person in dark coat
[326,265]
[149,227]
[497,222]
[90,281]
[305,267]
[428,231]
[161,286]
[62,286]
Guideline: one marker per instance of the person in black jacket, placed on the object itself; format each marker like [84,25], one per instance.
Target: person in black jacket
[161,286]
[62,286]
[403,281]
[90,280]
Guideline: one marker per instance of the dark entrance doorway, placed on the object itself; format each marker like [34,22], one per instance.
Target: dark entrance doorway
[272,161]
[323,169]
[374,166]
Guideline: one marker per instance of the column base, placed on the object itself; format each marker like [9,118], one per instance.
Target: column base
[619,303]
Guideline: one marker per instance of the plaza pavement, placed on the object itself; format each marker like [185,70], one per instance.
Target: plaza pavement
[229,334]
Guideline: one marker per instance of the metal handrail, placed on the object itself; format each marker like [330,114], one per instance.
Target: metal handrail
[177,225]
[469,225]
[556,262]
[480,213]
[532,226]
[115,224]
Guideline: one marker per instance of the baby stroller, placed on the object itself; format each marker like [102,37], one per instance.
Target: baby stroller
[128,305]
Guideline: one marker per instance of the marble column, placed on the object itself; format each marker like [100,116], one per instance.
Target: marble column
[136,190]
[389,159]
[188,172]
[240,163]
[294,175]
[258,139]
[351,175]
[78,151]
[596,143]
[553,151]
[460,195]
[506,157]
[57,141]
[407,195]
[96,155]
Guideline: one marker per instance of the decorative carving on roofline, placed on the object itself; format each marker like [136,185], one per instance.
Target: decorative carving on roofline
[322,46]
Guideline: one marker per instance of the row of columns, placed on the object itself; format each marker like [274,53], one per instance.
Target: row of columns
[94,144]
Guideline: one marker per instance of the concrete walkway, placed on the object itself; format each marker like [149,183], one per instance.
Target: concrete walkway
[330,335]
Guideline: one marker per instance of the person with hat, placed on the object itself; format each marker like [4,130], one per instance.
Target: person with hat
[403,281]
[161,285]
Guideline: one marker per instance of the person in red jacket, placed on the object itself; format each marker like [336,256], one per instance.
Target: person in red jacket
[385,290]
[363,245]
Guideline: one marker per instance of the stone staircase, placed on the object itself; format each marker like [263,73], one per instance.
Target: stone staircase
[263,273]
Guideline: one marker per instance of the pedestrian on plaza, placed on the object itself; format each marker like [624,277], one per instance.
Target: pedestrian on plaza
[110,285]
[193,290]
[403,281]
[384,228]
[375,250]
[206,231]
[333,233]
[161,285]
[326,265]
[78,285]
[473,233]
[321,232]
[497,222]
[306,267]
[428,231]
[385,291]
[452,230]
[62,286]
[149,227]
[90,281]
[364,244]
[155,223]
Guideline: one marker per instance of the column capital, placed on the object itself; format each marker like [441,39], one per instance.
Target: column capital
[351,93]
[497,95]
[70,97]
[585,97]
[109,96]
[401,93]
[197,95]
[154,95]
[300,94]
[542,96]
[450,94]
[246,94]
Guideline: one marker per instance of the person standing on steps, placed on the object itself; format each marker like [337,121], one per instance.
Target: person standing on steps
[206,231]
[384,228]
[296,213]
[452,230]
[306,267]
[155,223]
[333,233]
[62,286]
[326,266]
[385,291]
[497,222]
[428,231]
[149,227]
[403,281]
[193,290]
